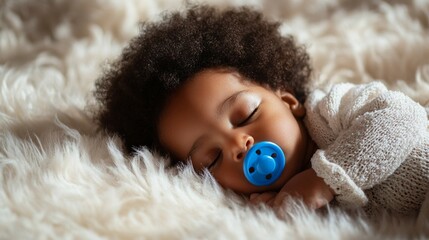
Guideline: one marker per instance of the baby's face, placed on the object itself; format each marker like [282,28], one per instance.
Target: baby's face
[218,115]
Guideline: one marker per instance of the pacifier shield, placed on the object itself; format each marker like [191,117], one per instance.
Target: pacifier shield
[264,163]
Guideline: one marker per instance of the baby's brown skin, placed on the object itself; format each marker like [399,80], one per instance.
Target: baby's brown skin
[217,115]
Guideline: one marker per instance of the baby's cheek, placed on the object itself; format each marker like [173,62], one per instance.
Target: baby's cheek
[289,136]
[282,132]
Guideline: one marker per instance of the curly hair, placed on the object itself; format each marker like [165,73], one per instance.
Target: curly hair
[167,53]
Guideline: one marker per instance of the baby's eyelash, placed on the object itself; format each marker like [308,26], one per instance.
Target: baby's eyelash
[248,117]
[213,163]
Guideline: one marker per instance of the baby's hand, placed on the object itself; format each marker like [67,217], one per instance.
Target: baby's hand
[305,185]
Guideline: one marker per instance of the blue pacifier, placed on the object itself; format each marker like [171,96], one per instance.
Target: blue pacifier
[264,163]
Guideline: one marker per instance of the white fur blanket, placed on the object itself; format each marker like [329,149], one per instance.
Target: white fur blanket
[61,179]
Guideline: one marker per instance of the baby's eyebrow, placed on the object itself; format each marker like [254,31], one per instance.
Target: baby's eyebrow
[228,102]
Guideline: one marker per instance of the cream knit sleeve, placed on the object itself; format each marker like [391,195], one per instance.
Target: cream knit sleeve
[364,133]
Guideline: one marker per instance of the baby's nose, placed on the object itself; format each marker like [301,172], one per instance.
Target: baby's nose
[264,163]
[243,148]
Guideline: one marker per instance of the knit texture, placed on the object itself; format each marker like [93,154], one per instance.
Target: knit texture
[374,147]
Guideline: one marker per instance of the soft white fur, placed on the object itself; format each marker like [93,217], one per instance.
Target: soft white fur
[61,179]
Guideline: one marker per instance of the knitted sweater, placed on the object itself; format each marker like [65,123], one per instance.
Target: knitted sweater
[373,147]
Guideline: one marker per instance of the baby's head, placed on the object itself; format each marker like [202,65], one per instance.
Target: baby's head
[205,85]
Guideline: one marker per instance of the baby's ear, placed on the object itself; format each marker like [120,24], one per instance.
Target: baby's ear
[290,100]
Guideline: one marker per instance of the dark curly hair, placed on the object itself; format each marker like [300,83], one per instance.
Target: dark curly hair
[167,53]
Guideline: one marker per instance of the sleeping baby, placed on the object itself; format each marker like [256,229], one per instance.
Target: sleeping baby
[226,92]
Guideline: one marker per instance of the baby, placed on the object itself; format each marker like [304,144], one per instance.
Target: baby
[206,85]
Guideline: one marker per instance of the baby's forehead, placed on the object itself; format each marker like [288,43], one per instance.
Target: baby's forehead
[209,87]
[206,90]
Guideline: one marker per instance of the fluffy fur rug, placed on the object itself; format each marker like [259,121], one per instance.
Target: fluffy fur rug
[60,178]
